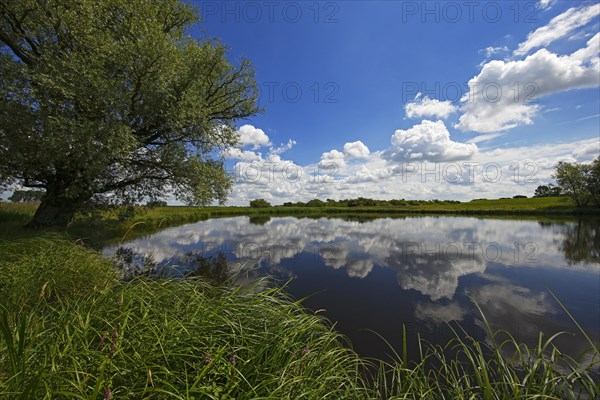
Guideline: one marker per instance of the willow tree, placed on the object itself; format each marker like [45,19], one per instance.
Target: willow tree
[114,97]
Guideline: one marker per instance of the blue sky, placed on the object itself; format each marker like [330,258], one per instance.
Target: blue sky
[503,81]
[509,82]
[374,53]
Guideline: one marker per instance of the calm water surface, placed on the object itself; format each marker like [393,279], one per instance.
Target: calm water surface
[420,272]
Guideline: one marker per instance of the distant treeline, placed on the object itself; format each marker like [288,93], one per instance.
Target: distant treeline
[358,202]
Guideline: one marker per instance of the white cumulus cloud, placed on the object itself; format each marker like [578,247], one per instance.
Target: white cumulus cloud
[427,141]
[356,150]
[239,154]
[333,157]
[251,136]
[423,106]
[500,97]
[283,147]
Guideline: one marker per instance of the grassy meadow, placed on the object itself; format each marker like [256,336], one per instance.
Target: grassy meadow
[70,327]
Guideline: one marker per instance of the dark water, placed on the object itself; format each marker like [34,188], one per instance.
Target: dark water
[423,273]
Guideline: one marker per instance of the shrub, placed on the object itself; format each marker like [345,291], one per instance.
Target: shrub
[260,203]
[156,203]
[315,203]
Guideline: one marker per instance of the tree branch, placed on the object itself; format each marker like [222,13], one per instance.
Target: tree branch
[20,53]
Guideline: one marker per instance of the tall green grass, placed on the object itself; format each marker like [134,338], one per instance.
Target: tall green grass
[48,269]
[499,368]
[69,328]
[64,336]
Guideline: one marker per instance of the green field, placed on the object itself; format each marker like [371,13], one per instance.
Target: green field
[71,328]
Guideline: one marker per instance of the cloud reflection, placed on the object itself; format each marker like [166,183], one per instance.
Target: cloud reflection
[428,254]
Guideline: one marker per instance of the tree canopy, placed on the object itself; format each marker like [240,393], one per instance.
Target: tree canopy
[259,203]
[547,191]
[580,181]
[113,97]
[156,203]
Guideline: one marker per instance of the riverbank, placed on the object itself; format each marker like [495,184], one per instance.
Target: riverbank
[70,327]
[114,224]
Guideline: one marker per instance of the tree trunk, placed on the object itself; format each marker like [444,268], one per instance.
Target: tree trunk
[55,211]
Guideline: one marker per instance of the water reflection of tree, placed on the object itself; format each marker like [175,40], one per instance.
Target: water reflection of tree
[259,219]
[215,268]
[581,241]
[135,264]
